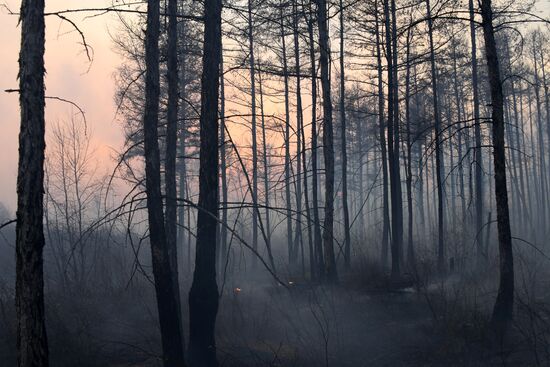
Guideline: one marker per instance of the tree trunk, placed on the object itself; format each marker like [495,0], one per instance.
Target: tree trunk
[438,154]
[254,138]
[171,220]
[203,296]
[503,309]
[291,258]
[393,160]
[32,343]
[182,142]
[347,236]
[172,343]
[266,169]
[382,137]
[409,143]
[318,244]
[478,152]
[223,167]
[397,196]
[328,143]
[302,139]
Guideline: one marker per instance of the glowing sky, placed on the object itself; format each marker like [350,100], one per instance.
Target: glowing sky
[67,77]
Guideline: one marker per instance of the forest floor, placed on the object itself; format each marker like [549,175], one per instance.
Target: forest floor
[261,324]
[267,325]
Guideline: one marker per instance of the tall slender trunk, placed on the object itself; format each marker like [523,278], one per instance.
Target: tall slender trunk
[32,343]
[254,139]
[439,161]
[503,309]
[171,214]
[397,198]
[547,105]
[203,296]
[172,342]
[328,143]
[318,244]
[409,143]
[301,146]
[478,152]
[460,116]
[291,244]
[347,236]
[223,167]
[298,239]
[266,167]
[392,158]
[182,141]
[542,159]
[382,137]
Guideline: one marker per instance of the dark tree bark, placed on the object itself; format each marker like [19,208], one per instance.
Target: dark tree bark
[172,343]
[291,244]
[302,139]
[223,163]
[266,169]
[32,343]
[409,144]
[504,305]
[203,296]
[478,152]
[318,243]
[393,159]
[182,161]
[438,153]
[382,137]
[254,137]
[396,195]
[542,159]
[171,219]
[328,144]
[298,239]
[347,236]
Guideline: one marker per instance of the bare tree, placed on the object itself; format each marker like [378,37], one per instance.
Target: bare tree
[203,296]
[328,143]
[172,343]
[32,344]
[504,305]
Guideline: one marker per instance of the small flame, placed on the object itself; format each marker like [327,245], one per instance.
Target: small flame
[237,290]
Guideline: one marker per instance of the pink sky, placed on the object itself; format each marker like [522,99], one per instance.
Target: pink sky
[66,67]
[67,77]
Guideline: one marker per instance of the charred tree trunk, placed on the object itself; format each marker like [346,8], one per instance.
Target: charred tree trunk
[318,243]
[254,137]
[392,158]
[299,238]
[382,137]
[291,244]
[478,152]
[171,214]
[203,296]
[172,342]
[266,168]
[328,143]
[302,139]
[347,236]
[396,195]
[438,153]
[32,343]
[409,143]
[503,309]
[223,168]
